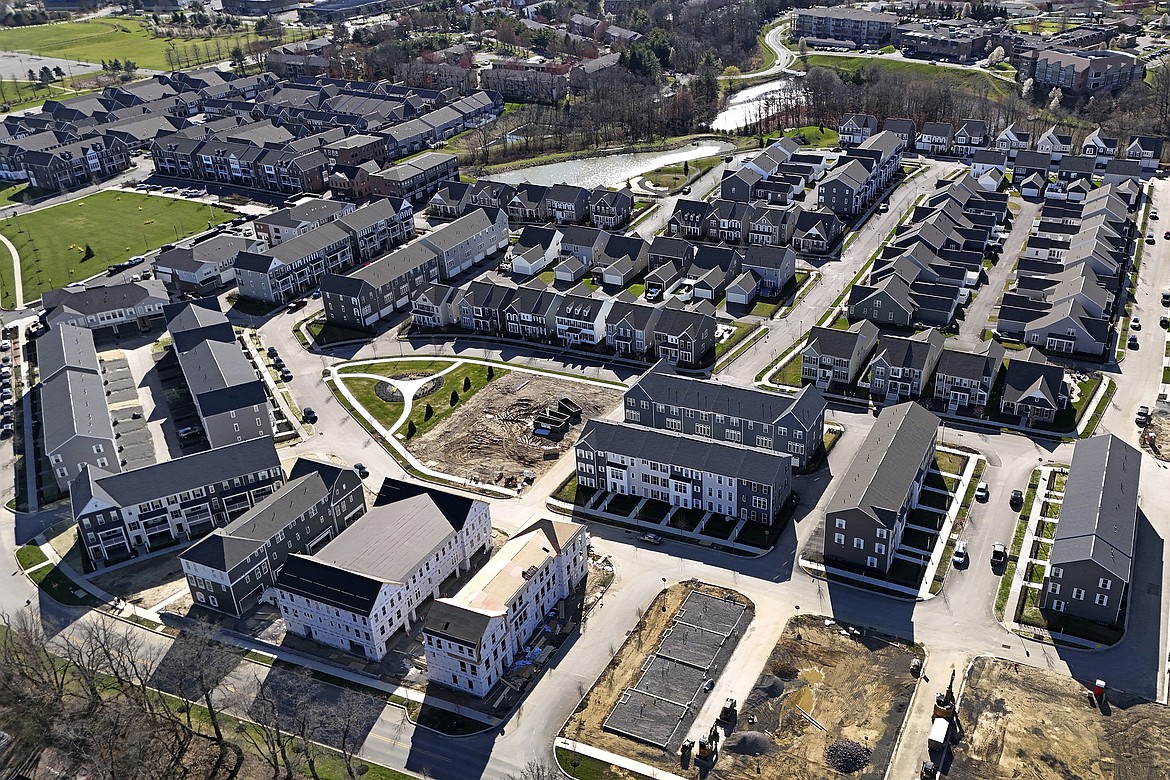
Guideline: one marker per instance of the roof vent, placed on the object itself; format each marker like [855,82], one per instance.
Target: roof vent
[530,572]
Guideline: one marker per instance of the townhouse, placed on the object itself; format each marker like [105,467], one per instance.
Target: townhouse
[735,480]
[76,430]
[120,515]
[970,136]
[368,295]
[472,638]
[76,164]
[963,380]
[832,359]
[935,138]
[418,178]
[863,174]
[433,306]
[228,394]
[306,215]
[367,583]
[230,569]
[536,249]
[293,267]
[1034,390]
[108,310]
[1090,565]
[531,312]
[468,240]
[664,400]
[867,514]
[629,327]
[205,266]
[902,366]
[855,128]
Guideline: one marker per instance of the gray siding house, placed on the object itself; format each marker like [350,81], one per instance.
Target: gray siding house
[1091,562]
[793,425]
[740,482]
[468,240]
[361,299]
[229,569]
[867,514]
[835,357]
[155,506]
[902,365]
[963,380]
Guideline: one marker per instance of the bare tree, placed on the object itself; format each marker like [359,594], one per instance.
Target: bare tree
[537,769]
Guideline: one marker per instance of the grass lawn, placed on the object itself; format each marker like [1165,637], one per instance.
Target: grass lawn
[932,500]
[394,368]
[719,526]
[60,588]
[637,289]
[572,493]
[789,373]
[384,412]
[965,78]
[1005,588]
[742,329]
[687,519]
[29,556]
[814,135]
[671,176]
[115,224]
[583,767]
[926,519]
[331,334]
[95,40]
[949,462]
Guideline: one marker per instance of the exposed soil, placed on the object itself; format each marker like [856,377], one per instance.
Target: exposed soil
[490,436]
[586,724]
[856,687]
[1021,722]
[144,584]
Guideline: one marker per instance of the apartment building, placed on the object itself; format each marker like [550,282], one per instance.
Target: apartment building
[368,583]
[864,28]
[230,569]
[107,310]
[366,296]
[472,638]
[119,515]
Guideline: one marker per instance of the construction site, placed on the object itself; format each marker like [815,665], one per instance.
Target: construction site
[645,701]
[1017,721]
[831,699]
[513,429]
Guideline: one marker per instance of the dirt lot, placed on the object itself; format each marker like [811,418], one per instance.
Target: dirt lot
[490,436]
[1022,722]
[856,687]
[145,584]
[623,672]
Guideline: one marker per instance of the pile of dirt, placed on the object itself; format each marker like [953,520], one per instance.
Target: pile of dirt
[749,743]
[847,756]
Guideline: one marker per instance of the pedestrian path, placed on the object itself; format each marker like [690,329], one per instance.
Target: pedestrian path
[629,764]
[17,282]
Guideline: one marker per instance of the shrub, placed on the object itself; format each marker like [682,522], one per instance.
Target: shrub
[411,429]
[491,373]
[454,397]
[428,413]
[466,384]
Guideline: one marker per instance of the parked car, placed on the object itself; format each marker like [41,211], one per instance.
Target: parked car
[299,303]
[1135,323]
[1132,343]
[5,345]
[998,554]
[1164,321]
[170,190]
[189,432]
[361,470]
[1166,297]
[981,492]
[1154,215]
[286,375]
[1143,416]
[308,415]
[272,352]
[1149,238]
[136,260]
[650,538]
[1017,500]
[960,555]
[316,293]
[1166,235]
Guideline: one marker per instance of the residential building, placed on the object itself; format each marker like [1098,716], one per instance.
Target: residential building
[970,136]
[935,137]
[76,164]
[1090,564]
[367,295]
[107,310]
[1034,389]
[963,380]
[833,359]
[700,408]
[902,366]
[368,583]
[738,481]
[136,511]
[1146,149]
[468,240]
[434,306]
[855,128]
[536,249]
[1083,72]
[295,266]
[204,266]
[531,313]
[609,209]
[1013,140]
[306,215]
[229,396]
[230,569]
[417,179]
[867,513]
[685,336]
[864,28]
[955,40]
[473,637]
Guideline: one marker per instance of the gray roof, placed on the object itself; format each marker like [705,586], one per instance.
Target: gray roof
[454,233]
[163,479]
[750,463]
[880,477]
[77,404]
[386,209]
[662,385]
[1098,518]
[66,346]
[1026,376]
[456,622]
[840,343]
[223,246]
[381,272]
[986,362]
[97,300]
[220,378]
[315,240]
[916,352]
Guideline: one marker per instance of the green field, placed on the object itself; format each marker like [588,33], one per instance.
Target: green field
[116,224]
[967,78]
[95,40]
[812,135]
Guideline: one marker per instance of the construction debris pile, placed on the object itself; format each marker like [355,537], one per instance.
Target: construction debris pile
[846,756]
[749,743]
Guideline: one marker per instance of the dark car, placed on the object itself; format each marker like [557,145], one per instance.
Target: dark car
[286,375]
[272,352]
[998,554]
[1142,417]
[239,220]
[361,470]
[1017,499]
[309,415]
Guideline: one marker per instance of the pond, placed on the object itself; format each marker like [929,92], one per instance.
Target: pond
[751,104]
[612,170]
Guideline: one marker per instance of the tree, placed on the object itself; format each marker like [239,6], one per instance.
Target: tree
[412,429]
[536,769]
[237,58]
[996,56]
[802,50]
[60,74]
[466,383]
[428,413]
[1054,99]
[1026,89]
[454,397]
[491,373]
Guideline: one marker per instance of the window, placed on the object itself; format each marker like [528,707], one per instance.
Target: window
[858,543]
[1104,584]
[1102,600]
[879,548]
[1054,588]
[1078,594]
[1058,605]
[839,538]
[840,522]
[1056,572]
[871,562]
[883,533]
[213,600]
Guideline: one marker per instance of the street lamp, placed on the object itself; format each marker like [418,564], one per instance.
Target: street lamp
[664,594]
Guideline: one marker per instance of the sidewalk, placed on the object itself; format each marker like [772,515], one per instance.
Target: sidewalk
[628,764]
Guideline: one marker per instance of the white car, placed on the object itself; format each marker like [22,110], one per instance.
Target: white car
[5,345]
[981,492]
[960,552]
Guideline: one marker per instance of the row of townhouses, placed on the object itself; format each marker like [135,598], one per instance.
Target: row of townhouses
[807,231]
[108,311]
[928,270]
[861,175]
[681,334]
[560,203]
[315,238]
[900,368]
[778,174]
[972,136]
[1075,261]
